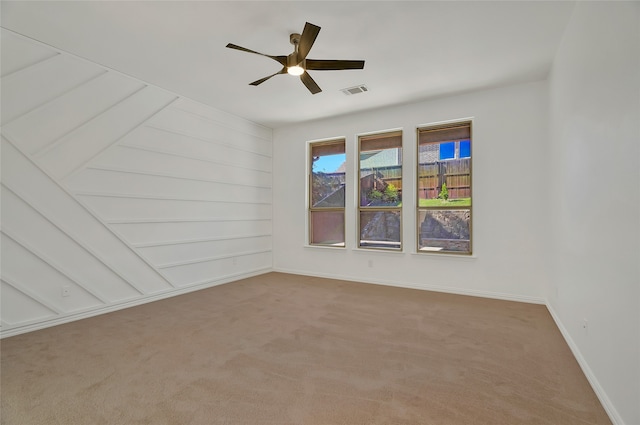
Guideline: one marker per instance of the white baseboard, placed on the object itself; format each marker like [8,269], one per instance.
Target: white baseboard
[72,317]
[595,384]
[425,287]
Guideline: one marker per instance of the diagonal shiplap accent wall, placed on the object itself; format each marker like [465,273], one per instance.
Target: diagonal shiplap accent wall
[115,192]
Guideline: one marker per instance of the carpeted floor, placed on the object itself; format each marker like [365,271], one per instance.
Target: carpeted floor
[284,349]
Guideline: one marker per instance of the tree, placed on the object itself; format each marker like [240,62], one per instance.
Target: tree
[375,195]
[391,193]
[444,193]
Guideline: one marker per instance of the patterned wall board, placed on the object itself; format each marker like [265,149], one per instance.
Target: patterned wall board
[224,118]
[160,164]
[70,153]
[25,266]
[35,230]
[33,87]
[164,252]
[120,208]
[119,191]
[136,183]
[171,143]
[201,272]
[189,124]
[39,128]
[150,232]
[17,53]
[18,307]
[22,177]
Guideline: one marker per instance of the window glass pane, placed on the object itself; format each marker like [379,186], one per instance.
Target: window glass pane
[443,182]
[444,230]
[447,150]
[381,177]
[465,149]
[327,180]
[327,228]
[380,229]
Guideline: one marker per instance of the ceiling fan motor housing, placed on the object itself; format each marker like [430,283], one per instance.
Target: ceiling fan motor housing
[292,60]
[294,39]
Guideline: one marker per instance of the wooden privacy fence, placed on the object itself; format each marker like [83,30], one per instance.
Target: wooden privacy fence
[456,173]
[431,175]
[391,174]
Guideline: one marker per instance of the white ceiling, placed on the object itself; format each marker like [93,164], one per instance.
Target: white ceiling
[413,50]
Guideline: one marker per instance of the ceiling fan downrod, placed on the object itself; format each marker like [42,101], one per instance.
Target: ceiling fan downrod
[294,66]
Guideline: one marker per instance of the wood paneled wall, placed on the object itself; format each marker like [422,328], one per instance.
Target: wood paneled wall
[115,192]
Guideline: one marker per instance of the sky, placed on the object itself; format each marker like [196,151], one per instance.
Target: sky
[329,163]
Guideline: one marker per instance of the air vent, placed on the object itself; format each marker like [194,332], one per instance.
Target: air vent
[355,90]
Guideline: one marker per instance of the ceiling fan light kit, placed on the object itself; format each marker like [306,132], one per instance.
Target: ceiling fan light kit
[297,63]
[295,70]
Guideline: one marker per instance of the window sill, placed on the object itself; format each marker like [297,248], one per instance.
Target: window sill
[448,255]
[377,251]
[423,254]
[331,247]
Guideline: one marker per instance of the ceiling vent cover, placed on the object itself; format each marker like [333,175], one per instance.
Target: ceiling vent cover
[355,90]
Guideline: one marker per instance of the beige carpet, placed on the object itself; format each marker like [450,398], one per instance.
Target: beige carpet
[284,349]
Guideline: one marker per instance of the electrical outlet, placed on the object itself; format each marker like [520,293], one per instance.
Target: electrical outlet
[66,291]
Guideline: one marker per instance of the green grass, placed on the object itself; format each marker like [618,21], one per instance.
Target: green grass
[461,202]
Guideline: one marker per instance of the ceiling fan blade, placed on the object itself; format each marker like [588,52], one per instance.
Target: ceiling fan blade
[333,65]
[308,37]
[262,80]
[311,85]
[281,59]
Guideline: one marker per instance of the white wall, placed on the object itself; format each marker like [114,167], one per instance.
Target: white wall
[595,199]
[509,165]
[119,191]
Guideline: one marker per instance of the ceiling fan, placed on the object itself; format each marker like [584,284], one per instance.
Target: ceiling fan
[297,63]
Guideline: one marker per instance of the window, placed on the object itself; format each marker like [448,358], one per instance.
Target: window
[444,189]
[380,189]
[327,193]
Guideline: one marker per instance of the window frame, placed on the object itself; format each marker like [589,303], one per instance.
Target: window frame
[359,208]
[310,208]
[436,126]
